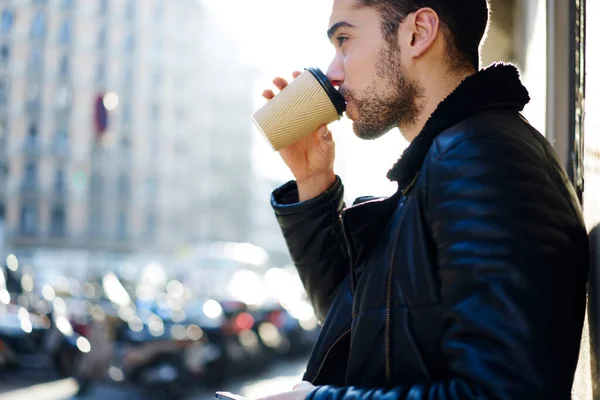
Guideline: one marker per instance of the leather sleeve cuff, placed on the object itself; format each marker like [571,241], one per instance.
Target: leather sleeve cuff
[284,199]
[312,394]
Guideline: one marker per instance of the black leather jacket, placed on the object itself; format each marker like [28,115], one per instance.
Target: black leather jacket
[469,282]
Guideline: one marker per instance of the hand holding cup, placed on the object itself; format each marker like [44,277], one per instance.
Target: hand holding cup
[295,122]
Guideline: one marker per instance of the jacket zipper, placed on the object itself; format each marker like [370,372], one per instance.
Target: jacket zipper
[388,307]
[339,339]
[350,255]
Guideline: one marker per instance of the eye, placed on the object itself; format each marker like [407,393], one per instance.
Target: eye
[340,40]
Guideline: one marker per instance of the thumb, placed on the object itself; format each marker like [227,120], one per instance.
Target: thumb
[323,134]
[326,143]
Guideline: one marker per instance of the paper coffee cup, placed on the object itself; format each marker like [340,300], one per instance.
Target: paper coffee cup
[308,102]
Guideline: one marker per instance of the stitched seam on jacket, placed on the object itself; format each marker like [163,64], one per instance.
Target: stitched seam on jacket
[398,307]
[550,164]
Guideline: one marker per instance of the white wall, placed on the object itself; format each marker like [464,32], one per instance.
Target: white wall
[530,56]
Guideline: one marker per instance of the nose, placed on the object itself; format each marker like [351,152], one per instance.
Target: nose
[335,72]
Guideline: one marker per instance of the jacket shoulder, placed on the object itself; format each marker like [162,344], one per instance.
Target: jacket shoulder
[499,124]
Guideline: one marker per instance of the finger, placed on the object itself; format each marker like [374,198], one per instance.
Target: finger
[326,143]
[268,94]
[322,132]
[280,83]
[295,74]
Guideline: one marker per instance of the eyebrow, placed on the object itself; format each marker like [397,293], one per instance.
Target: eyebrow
[342,24]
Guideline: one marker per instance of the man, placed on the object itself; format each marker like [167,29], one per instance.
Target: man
[470,281]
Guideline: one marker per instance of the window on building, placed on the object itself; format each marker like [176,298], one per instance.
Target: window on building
[128,76]
[38,26]
[64,34]
[130,10]
[31,174]
[58,221]
[59,181]
[129,45]
[103,6]
[123,185]
[6,21]
[125,143]
[102,38]
[151,186]
[126,113]
[61,140]
[35,59]
[63,98]
[122,225]
[33,97]
[64,66]
[32,135]
[96,184]
[100,73]
[67,5]
[154,148]
[155,112]
[150,225]
[181,148]
[3,91]
[29,219]
[3,131]
[96,227]
[4,55]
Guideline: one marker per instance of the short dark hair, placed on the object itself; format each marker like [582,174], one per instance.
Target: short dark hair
[463,21]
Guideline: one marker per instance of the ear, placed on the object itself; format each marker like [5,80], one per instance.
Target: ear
[423,27]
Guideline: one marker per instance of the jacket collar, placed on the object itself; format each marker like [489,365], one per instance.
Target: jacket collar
[498,85]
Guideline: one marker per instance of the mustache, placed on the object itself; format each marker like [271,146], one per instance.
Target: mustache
[346,93]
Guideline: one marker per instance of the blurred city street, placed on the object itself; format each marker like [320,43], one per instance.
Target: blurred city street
[139,250]
[279,377]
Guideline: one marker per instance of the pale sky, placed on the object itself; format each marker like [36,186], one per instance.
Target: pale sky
[280,36]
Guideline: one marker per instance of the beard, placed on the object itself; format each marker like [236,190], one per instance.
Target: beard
[379,111]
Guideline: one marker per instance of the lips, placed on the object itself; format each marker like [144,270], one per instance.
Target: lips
[348,97]
[349,110]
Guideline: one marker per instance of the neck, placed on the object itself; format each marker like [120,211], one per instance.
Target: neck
[434,91]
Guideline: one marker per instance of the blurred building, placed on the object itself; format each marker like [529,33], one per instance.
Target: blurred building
[172,165]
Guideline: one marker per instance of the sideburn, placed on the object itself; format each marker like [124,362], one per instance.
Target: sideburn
[406,93]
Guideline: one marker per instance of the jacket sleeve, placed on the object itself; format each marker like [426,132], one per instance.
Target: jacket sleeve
[512,257]
[312,231]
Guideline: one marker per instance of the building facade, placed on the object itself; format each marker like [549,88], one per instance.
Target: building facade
[169,166]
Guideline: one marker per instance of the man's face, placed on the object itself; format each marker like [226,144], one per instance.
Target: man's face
[369,72]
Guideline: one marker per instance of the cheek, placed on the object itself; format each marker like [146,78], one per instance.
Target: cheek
[359,69]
